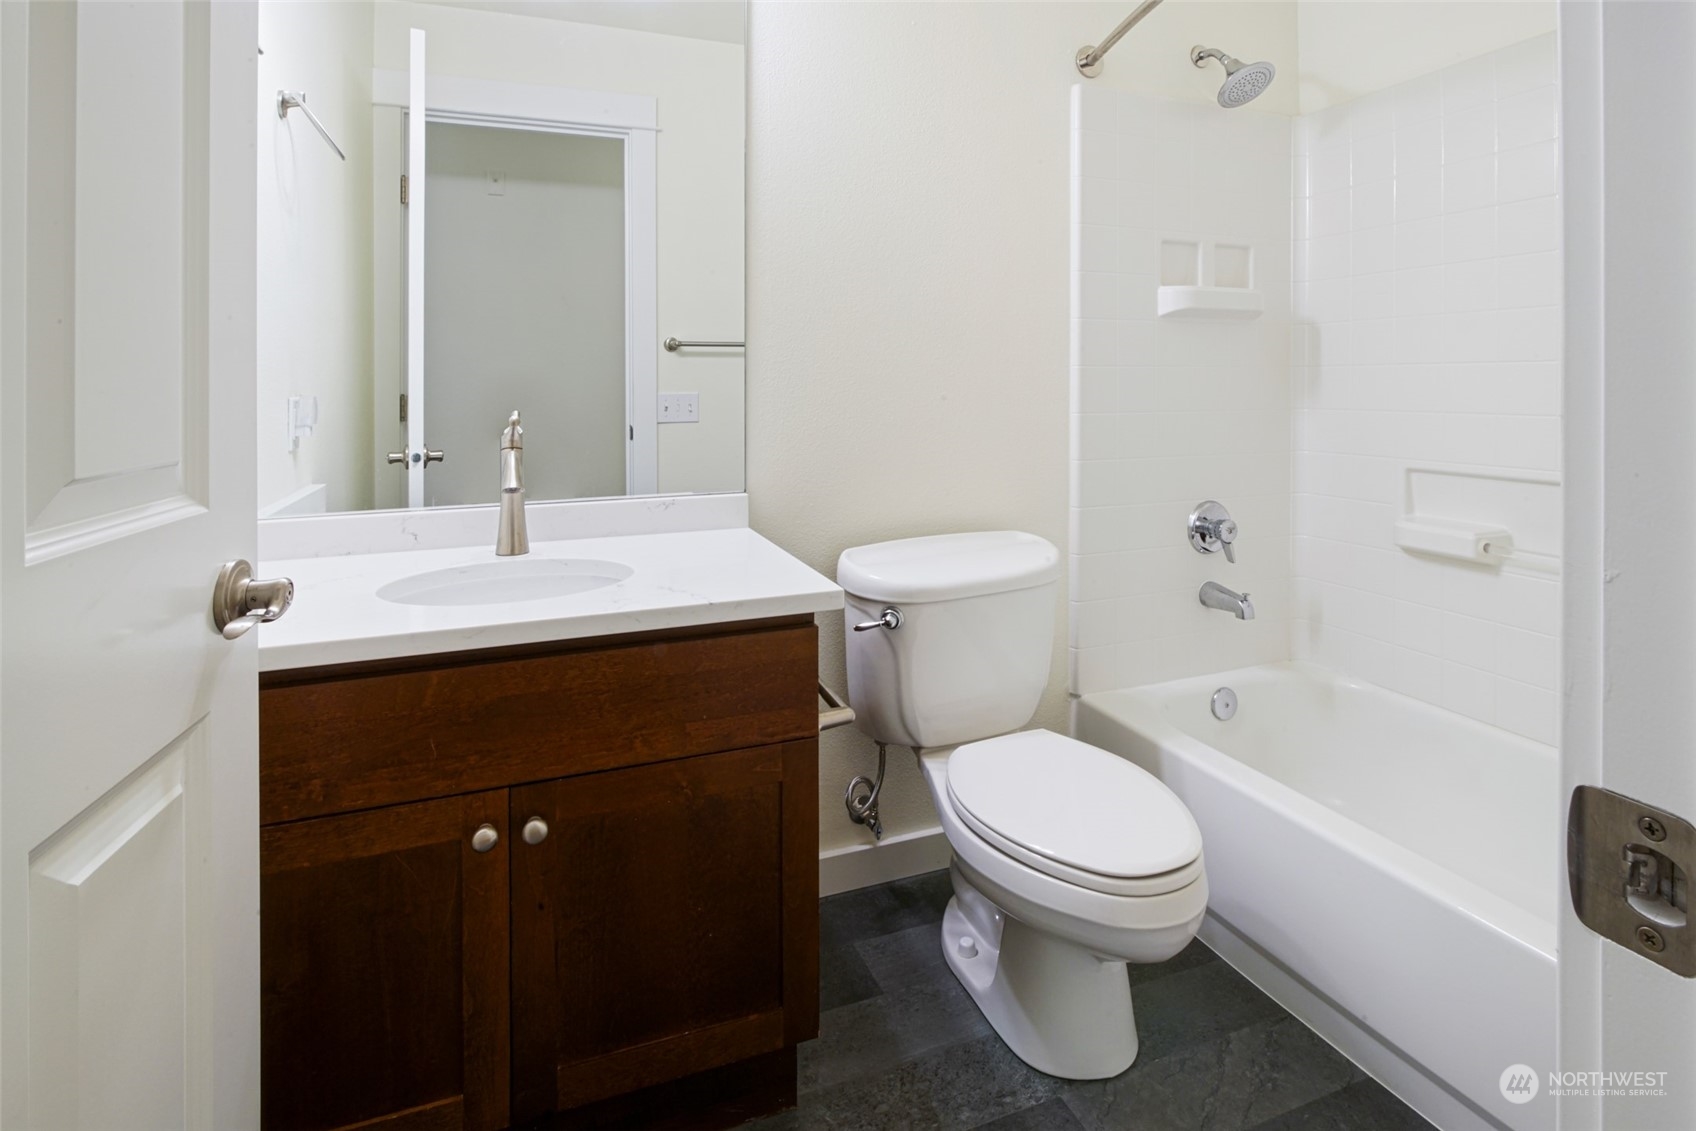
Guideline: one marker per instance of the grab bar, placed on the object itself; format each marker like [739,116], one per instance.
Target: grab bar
[840,714]
[672,345]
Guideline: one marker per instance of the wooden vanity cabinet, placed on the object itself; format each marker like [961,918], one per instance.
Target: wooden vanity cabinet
[650,927]
[385,969]
[658,924]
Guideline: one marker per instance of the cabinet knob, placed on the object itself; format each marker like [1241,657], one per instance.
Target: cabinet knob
[485,838]
[535,831]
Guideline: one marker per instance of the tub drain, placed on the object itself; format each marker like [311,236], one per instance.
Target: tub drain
[1224,704]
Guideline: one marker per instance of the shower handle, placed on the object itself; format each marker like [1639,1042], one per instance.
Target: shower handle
[1211,529]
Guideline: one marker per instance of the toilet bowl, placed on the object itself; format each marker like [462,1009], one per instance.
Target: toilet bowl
[1068,862]
[1044,955]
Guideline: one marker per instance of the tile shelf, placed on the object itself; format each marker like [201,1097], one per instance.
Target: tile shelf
[1224,303]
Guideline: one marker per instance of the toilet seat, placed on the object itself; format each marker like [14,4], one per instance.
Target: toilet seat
[1075,812]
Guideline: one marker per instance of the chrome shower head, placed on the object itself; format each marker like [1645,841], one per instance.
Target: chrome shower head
[1244,82]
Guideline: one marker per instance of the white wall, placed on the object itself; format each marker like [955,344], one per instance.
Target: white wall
[1349,48]
[908,270]
[314,316]
[1428,285]
[524,309]
[699,86]
[907,266]
[1168,411]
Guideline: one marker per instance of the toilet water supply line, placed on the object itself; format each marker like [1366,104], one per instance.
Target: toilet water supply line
[862,808]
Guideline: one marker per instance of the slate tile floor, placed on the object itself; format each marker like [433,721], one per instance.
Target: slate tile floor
[902,1046]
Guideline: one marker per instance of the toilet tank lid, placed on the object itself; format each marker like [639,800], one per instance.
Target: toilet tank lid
[946,567]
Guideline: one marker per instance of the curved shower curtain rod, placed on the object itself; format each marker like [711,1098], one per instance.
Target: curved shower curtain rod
[1089,56]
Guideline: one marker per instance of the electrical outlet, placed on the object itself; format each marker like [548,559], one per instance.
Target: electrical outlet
[680,408]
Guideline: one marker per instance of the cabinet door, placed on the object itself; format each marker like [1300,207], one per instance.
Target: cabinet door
[384,969]
[666,924]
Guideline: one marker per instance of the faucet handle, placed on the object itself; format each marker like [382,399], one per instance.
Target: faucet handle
[1225,530]
[1211,529]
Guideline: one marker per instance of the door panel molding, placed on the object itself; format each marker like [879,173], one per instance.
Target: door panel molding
[116,321]
[117,918]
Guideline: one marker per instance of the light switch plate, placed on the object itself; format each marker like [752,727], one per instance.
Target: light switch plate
[302,419]
[679,408]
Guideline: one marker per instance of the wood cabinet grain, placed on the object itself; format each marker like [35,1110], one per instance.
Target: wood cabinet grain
[663,932]
[384,969]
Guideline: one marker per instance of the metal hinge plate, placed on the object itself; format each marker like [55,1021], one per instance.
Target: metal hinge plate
[403,191]
[403,408]
[1628,867]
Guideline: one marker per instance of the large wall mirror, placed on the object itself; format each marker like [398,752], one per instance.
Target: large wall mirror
[468,209]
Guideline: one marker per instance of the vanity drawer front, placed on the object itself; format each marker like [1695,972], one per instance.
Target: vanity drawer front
[363,741]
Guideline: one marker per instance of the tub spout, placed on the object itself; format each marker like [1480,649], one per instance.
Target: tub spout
[1216,596]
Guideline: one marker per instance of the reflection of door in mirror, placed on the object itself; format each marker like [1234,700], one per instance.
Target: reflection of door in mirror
[524,309]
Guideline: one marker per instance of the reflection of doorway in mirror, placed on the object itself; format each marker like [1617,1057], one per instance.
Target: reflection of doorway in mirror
[524,309]
[533,287]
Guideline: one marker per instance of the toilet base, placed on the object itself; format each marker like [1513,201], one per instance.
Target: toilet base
[1061,1009]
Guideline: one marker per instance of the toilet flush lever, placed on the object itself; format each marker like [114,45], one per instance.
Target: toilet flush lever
[1212,529]
[890,619]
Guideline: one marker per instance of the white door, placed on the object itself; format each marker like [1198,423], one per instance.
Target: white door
[129,896]
[1630,575]
[416,441]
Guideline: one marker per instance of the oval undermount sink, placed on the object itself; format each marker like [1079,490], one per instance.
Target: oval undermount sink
[503,582]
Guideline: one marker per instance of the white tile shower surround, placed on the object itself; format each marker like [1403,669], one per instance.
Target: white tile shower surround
[1416,283]
[1167,412]
[1428,327]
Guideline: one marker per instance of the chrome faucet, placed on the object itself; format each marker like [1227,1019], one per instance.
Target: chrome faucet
[513,539]
[1216,596]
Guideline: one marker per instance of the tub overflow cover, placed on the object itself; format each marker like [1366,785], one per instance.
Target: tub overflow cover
[1224,704]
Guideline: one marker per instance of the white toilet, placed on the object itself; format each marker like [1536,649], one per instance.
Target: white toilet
[1068,861]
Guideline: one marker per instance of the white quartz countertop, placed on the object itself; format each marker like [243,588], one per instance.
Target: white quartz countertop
[677,580]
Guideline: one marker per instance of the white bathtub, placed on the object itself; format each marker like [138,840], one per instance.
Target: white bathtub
[1386,869]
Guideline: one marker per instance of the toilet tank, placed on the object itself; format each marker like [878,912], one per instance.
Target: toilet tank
[971,656]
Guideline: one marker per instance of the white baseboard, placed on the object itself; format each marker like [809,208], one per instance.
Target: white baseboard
[892,858]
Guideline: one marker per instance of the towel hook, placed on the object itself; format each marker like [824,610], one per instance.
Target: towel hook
[296,100]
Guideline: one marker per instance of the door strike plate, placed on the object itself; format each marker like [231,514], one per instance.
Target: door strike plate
[1628,866]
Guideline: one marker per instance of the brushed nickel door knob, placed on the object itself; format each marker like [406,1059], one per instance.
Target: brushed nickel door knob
[485,838]
[239,601]
[535,831]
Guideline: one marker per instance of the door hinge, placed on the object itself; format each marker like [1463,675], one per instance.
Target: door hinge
[1628,867]
[632,431]
[403,408]
[404,195]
